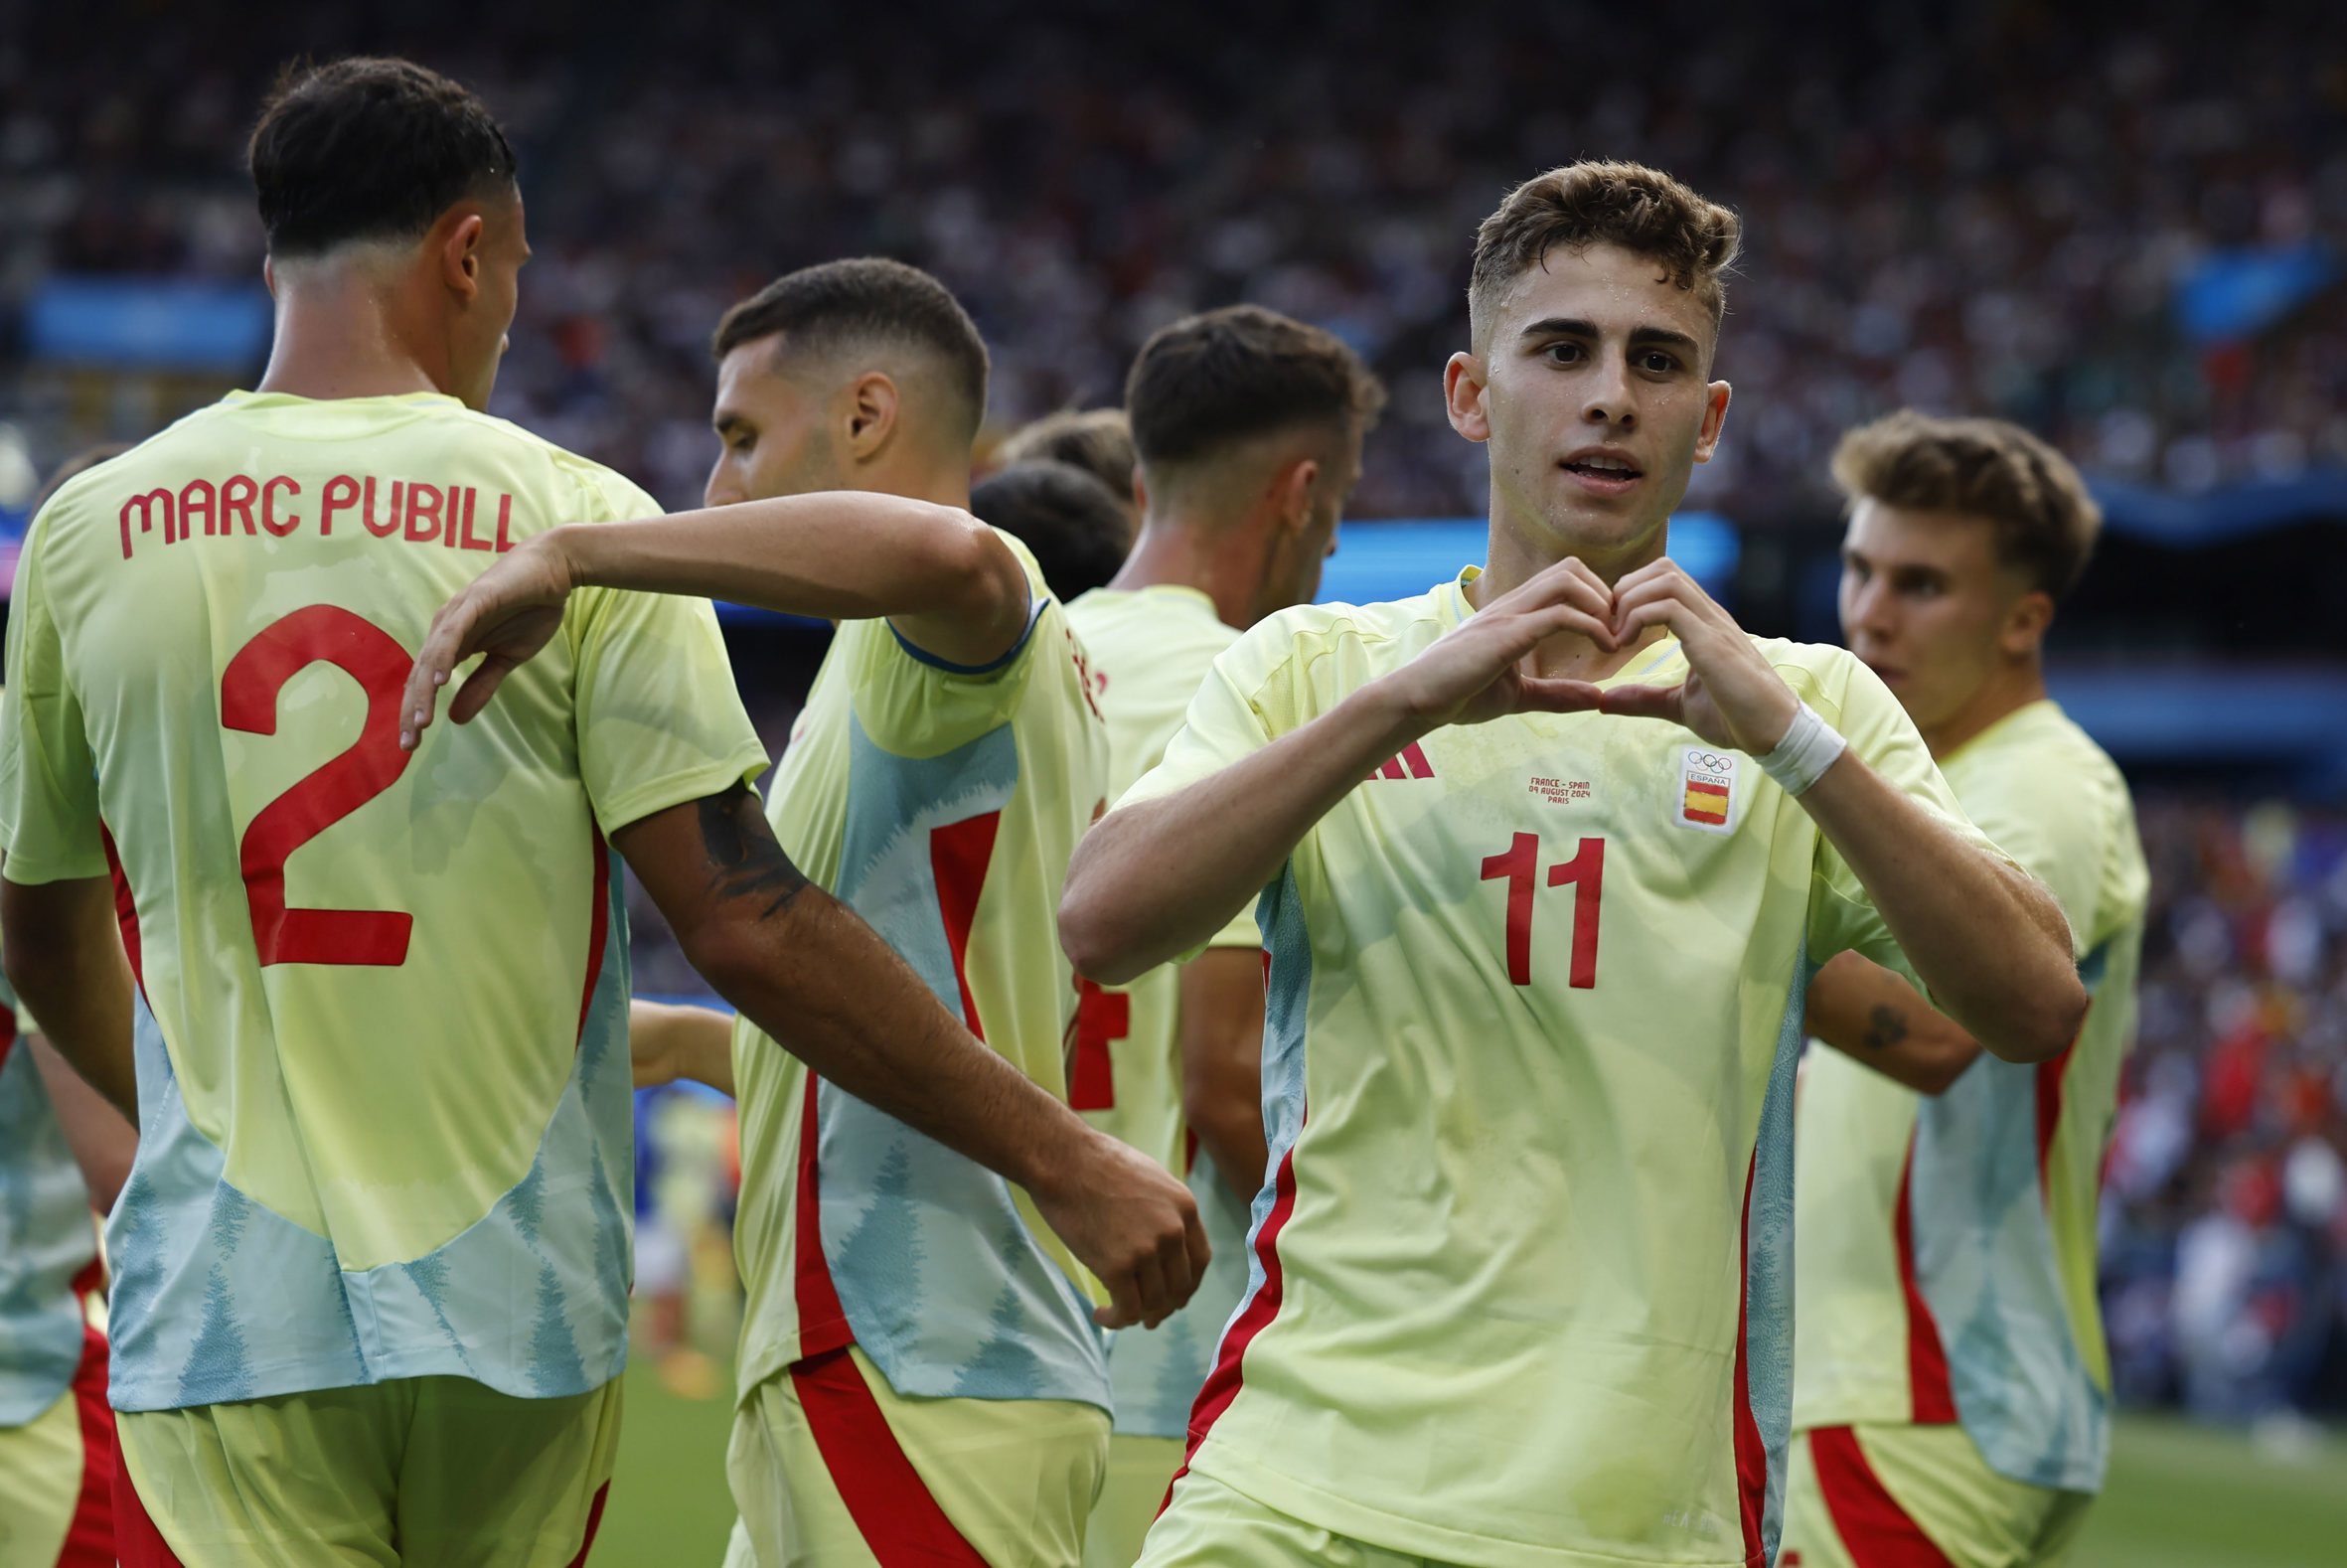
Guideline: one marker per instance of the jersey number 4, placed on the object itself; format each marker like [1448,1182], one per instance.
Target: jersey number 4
[248,691]
[1519,865]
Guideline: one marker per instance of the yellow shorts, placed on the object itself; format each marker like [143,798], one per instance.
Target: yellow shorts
[1916,1496]
[57,1476]
[1209,1525]
[1140,1468]
[438,1470]
[831,1466]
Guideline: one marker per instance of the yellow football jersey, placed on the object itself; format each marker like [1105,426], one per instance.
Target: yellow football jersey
[383,1020]
[1520,1289]
[1148,651]
[1946,1245]
[941,803]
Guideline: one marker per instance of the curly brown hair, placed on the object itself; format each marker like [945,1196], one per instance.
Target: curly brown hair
[1604,202]
[2046,523]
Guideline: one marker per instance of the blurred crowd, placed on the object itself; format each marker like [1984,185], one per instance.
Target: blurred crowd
[1956,207]
[2224,1198]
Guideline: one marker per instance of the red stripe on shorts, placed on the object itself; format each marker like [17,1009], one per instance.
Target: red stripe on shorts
[886,1497]
[89,1540]
[136,1540]
[1926,1363]
[823,1322]
[1872,1525]
[594,1524]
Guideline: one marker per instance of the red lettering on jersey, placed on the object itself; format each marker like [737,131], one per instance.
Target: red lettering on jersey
[194,496]
[473,541]
[235,500]
[391,523]
[1586,871]
[1518,864]
[455,516]
[268,506]
[505,517]
[328,504]
[146,517]
[420,509]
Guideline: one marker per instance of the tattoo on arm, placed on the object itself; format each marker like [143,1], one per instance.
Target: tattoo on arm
[744,861]
[1886,1026]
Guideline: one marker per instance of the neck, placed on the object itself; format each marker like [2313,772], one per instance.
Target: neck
[1514,554]
[1179,549]
[2010,689]
[340,334]
[944,483]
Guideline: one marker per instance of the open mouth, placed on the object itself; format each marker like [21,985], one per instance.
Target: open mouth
[1604,468]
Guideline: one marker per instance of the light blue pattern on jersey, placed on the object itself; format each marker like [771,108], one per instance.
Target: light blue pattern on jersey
[1984,1261]
[1768,1257]
[1158,1372]
[215,1297]
[941,1281]
[46,1239]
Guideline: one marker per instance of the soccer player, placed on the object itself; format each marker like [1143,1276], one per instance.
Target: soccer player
[1074,525]
[63,1150]
[1249,427]
[1546,856]
[1951,1393]
[1097,441]
[370,1265]
[919,1368]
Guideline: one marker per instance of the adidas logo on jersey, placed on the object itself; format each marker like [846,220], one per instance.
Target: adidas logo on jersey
[1409,763]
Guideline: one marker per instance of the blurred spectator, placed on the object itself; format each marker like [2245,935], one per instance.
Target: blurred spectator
[1080,534]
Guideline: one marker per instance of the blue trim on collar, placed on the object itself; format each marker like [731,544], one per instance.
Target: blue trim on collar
[1034,613]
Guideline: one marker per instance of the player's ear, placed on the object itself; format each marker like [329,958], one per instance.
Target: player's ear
[1715,418]
[1292,490]
[459,253]
[2026,623]
[873,408]
[1464,381]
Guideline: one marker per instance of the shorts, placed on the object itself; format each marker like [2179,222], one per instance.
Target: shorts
[57,1476]
[1209,1525]
[438,1470]
[830,1465]
[1140,1468]
[1916,1496]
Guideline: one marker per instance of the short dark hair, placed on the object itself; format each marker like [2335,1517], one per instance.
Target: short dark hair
[1213,380]
[864,302]
[1604,202]
[2045,520]
[1097,441]
[368,149]
[1076,526]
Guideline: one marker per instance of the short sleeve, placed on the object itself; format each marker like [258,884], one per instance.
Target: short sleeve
[1842,914]
[1224,723]
[2058,826]
[913,704]
[660,721]
[49,806]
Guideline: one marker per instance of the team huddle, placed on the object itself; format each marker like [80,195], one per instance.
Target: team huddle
[1223,1079]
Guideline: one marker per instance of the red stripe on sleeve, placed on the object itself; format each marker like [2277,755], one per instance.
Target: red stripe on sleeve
[1927,1361]
[891,1506]
[1877,1531]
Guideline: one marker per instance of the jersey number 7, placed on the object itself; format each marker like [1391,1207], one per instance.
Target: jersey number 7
[1586,871]
[248,691]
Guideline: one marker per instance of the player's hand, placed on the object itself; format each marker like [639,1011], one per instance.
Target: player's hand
[1473,672]
[1731,697]
[1134,1226]
[508,614]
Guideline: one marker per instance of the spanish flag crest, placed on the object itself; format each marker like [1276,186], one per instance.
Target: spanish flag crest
[1707,792]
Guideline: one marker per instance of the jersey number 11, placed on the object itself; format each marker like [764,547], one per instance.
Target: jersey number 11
[1520,863]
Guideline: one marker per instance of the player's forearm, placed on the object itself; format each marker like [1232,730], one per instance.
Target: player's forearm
[668,1042]
[64,955]
[102,1139]
[1989,941]
[824,985]
[1158,878]
[838,556]
[1875,1017]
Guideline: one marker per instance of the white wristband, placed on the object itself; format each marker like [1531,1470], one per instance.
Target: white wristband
[1808,749]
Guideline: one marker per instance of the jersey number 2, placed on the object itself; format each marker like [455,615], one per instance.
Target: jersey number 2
[1520,863]
[248,691]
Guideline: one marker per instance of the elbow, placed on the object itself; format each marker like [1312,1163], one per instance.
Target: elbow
[988,582]
[2045,1029]
[1088,936]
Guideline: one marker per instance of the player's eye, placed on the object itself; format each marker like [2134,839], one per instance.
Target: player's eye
[1657,363]
[1565,353]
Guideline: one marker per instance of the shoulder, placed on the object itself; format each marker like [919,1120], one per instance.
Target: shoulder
[605,494]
